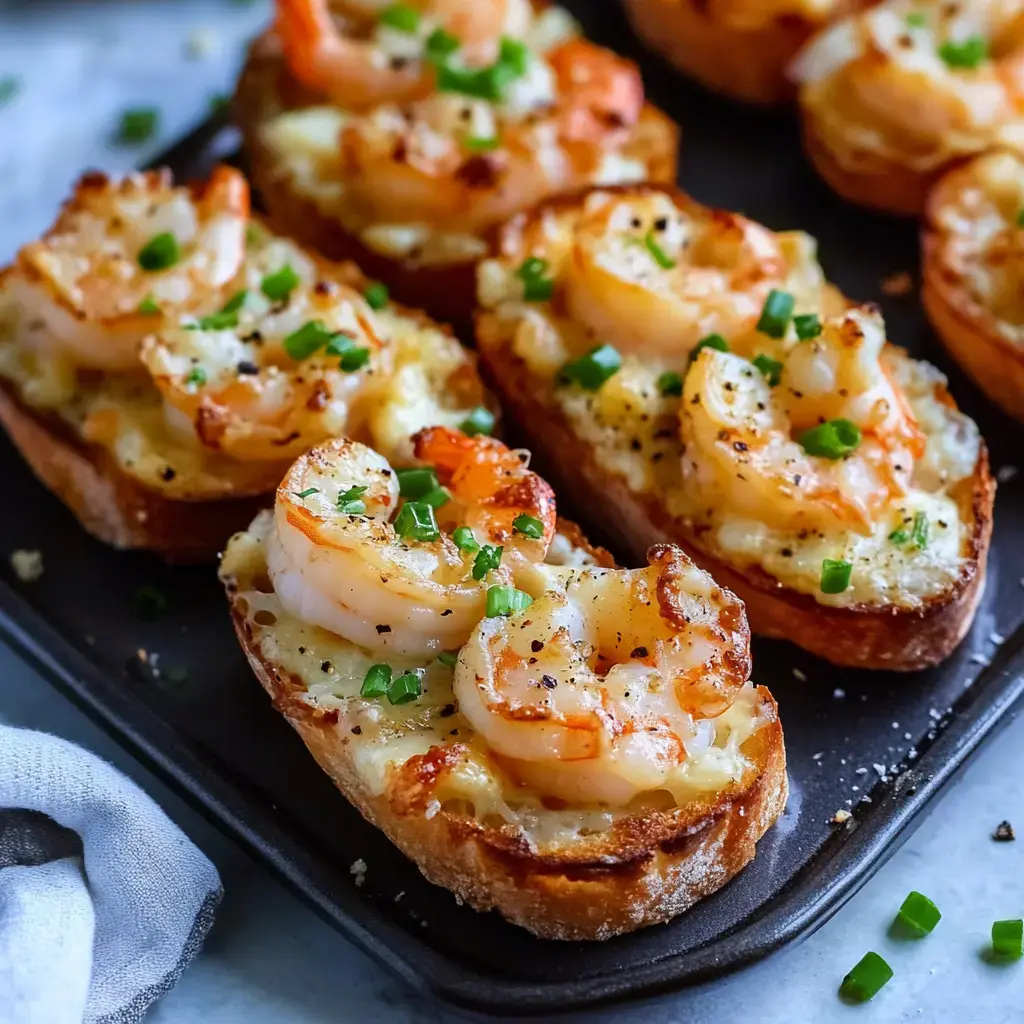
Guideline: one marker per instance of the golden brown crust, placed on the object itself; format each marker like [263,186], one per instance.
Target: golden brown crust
[110,504]
[968,330]
[876,638]
[266,89]
[645,870]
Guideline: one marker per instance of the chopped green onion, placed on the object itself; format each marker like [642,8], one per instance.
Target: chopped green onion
[354,359]
[488,558]
[506,601]
[377,295]
[440,45]
[219,321]
[661,257]
[416,482]
[515,55]
[376,681]
[528,526]
[151,602]
[715,341]
[416,521]
[807,326]
[770,368]
[236,302]
[160,252]
[481,143]
[670,383]
[835,576]
[917,19]
[307,492]
[479,421]
[775,314]
[148,306]
[481,83]
[437,497]
[137,125]
[1020,219]
[280,284]
[918,914]
[401,17]
[449,658]
[966,54]
[404,689]
[307,339]
[196,376]
[593,369]
[866,979]
[1008,938]
[831,440]
[340,343]
[350,502]
[464,540]
[919,534]
[537,286]
[9,86]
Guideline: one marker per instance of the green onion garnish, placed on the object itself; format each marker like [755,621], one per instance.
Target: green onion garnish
[416,521]
[593,369]
[661,257]
[137,125]
[354,358]
[196,376]
[307,492]
[437,497]
[376,295]
[148,306]
[279,285]
[771,369]
[219,321]
[670,383]
[481,143]
[236,302]
[966,54]
[918,914]
[866,979]
[715,341]
[917,19]
[528,526]
[919,534]
[160,252]
[835,576]
[506,601]
[775,314]
[414,483]
[151,602]
[831,440]
[1020,219]
[537,286]
[479,421]
[350,502]
[440,45]
[481,83]
[487,558]
[1008,938]
[404,689]
[807,326]
[515,55]
[449,658]
[464,540]
[307,339]
[401,17]
[376,681]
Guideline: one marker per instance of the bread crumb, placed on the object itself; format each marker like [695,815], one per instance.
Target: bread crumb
[358,870]
[899,283]
[841,816]
[27,565]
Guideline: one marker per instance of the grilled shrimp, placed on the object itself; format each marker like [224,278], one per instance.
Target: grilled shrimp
[595,693]
[126,256]
[337,560]
[742,436]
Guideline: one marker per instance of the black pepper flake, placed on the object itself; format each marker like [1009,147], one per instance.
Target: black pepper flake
[638,652]
[302,650]
[247,366]
[168,473]
[1004,833]
[536,645]
[357,730]
[382,629]
[325,666]
[447,611]
[447,711]
[786,552]
[549,681]
[661,224]
[740,446]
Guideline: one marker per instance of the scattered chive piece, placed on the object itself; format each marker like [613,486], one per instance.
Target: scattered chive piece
[831,440]
[437,497]
[404,689]
[414,483]
[307,492]
[340,343]
[670,383]
[919,533]
[835,576]
[807,326]
[236,302]
[514,54]
[1020,219]
[151,602]
[866,979]
[307,339]
[137,125]
[1008,938]
[593,369]
[528,526]
[376,681]
[219,321]
[416,522]
[464,540]
[196,376]
[350,502]
[9,86]
[479,421]
[401,17]
[148,306]
[280,284]
[775,314]
[376,295]
[537,286]
[487,558]
[160,252]
[917,19]
[661,257]
[481,143]
[506,601]
[770,368]
[715,341]
[966,54]
[918,914]
[354,358]
[440,45]
[449,658]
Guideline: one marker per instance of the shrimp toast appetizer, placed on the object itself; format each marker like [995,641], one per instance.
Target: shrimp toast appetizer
[740,48]
[973,245]
[570,743]
[891,97]
[695,380]
[397,135]
[163,358]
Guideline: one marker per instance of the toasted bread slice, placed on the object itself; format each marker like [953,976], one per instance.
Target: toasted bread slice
[619,452]
[419,772]
[971,290]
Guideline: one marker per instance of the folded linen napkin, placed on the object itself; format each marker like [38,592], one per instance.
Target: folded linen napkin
[103,899]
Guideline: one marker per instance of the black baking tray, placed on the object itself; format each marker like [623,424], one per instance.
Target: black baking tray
[214,734]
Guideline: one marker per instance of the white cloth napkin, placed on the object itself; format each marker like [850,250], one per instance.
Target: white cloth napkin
[103,899]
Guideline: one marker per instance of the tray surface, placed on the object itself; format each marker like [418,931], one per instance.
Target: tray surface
[193,710]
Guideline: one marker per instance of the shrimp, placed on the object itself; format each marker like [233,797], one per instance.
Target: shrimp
[594,693]
[346,569]
[88,280]
[739,432]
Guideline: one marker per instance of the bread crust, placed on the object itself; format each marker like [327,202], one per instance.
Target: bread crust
[857,637]
[644,871]
[969,331]
[266,89]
